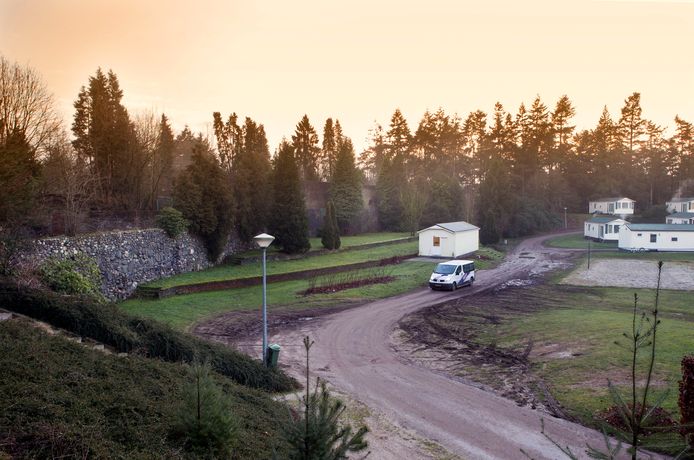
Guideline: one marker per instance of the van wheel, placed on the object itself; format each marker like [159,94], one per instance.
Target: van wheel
[455,286]
[472,280]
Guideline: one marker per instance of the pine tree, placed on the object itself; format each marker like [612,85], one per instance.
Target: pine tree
[251,181]
[345,187]
[229,137]
[388,199]
[329,151]
[306,150]
[330,234]
[288,220]
[105,138]
[19,173]
[202,193]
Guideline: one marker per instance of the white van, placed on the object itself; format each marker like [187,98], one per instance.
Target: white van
[453,274]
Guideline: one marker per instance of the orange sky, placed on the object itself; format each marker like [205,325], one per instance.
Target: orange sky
[359,60]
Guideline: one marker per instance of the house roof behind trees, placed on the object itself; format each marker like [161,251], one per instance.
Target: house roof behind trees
[682,215]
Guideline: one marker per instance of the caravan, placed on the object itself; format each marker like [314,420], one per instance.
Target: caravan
[453,274]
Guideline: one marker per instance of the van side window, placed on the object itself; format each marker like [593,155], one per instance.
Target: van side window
[468,268]
[457,270]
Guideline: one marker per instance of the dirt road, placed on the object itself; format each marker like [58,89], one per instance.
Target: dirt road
[354,352]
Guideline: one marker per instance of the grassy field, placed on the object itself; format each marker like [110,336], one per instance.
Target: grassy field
[364,238]
[572,333]
[227,272]
[575,241]
[182,311]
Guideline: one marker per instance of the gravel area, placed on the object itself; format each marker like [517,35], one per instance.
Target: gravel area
[634,274]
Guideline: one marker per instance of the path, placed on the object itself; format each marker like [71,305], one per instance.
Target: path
[354,353]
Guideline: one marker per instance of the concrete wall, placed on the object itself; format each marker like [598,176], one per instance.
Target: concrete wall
[129,258]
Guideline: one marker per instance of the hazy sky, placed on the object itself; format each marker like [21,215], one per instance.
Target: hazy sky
[358,60]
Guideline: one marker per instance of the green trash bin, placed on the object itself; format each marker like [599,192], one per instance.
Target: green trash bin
[272,355]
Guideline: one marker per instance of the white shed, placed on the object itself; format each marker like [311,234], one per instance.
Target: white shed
[657,237]
[684,204]
[680,218]
[603,228]
[452,239]
[620,206]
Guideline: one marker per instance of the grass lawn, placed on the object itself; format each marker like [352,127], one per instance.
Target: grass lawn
[365,238]
[227,272]
[576,241]
[573,332]
[183,311]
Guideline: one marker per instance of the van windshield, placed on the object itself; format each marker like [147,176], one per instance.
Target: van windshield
[444,269]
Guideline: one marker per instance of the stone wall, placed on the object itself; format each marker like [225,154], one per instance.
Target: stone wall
[132,257]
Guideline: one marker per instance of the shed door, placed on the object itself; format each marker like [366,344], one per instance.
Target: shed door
[436,246]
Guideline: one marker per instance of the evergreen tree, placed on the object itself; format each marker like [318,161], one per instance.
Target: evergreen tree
[495,202]
[345,187]
[202,193]
[229,137]
[305,144]
[329,150]
[251,181]
[288,220]
[105,137]
[19,173]
[388,199]
[330,234]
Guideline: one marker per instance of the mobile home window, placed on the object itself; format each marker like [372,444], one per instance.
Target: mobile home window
[674,238]
[654,237]
[639,234]
[616,228]
[437,241]
[631,205]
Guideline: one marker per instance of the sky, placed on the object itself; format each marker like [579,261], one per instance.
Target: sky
[358,61]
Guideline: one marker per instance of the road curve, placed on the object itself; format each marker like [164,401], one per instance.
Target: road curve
[353,351]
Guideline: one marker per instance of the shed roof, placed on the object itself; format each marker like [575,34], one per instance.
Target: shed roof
[614,198]
[680,200]
[604,219]
[682,215]
[453,227]
[661,227]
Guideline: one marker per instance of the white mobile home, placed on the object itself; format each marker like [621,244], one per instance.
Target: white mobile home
[680,218]
[620,206]
[603,228]
[680,204]
[451,239]
[656,237]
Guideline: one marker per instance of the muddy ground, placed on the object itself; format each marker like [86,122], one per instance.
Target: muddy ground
[633,274]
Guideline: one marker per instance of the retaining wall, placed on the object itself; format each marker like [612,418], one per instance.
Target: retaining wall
[129,258]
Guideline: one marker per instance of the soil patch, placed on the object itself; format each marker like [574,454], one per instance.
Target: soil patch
[329,289]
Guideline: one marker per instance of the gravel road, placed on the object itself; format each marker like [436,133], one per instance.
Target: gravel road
[354,352]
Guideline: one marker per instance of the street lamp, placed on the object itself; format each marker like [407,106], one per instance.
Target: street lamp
[565,222]
[263,241]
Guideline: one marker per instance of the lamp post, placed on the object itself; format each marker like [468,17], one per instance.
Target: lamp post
[263,241]
[565,221]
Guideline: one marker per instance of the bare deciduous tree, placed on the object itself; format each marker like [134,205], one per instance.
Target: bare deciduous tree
[26,106]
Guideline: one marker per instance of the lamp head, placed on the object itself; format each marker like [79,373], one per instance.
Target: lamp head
[263,240]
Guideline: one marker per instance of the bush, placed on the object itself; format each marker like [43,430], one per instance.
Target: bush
[62,400]
[77,275]
[171,220]
[330,235]
[686,400]
[111,326]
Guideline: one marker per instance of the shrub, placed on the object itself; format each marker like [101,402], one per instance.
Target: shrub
[171,220]
[330,234]
[205,418]
[686,400]
[77,275]
[108,324]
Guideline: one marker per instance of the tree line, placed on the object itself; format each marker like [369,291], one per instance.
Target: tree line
[514,174]
[114,161]
[511,174]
